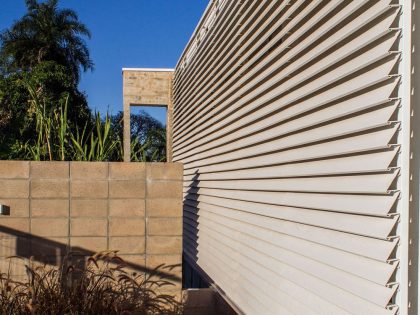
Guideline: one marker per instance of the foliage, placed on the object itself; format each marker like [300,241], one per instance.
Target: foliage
[98,285]
[148,137]
[141,124]
[43,116]
[46,50]
[53,87]
[45,33]
[55,139]
[96,145]
[13,114]
[45,127]
[152,149]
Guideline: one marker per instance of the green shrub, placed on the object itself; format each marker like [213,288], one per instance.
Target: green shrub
[55,139]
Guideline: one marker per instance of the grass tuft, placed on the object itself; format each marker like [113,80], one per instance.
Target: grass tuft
[99,284]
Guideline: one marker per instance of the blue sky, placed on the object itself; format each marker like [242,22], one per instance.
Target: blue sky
[126,33]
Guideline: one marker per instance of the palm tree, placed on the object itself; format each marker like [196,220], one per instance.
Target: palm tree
[46,33]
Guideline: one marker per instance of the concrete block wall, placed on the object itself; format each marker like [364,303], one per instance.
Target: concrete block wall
[135,208]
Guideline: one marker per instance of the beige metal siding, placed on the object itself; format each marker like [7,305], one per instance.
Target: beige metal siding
[287,119]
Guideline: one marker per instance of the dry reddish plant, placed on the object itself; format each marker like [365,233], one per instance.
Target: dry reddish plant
[97,285]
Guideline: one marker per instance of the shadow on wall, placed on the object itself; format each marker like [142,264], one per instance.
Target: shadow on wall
[17,243]
[192,274]
[206,300]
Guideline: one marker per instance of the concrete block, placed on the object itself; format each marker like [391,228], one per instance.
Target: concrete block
[50,207]
[128,245]
[127,207]
[121,170]
[16,266]
[89,207]
[136,260]
[49,247]
[14,246]
[14,188]
[164,207]
[89,189]
[127,189]
[44,188]
[89,170]
[50,227]
[89,245]
[164,226]
[153,261]
[88,227]
[14,169]
[164,245]
[164,171]
[157,189]
[49,170]
[13,226]
[18,207]
[126,227]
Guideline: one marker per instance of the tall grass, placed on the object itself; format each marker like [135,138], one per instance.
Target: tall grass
[98,285]
[96,145]
[56,140]
[43,117]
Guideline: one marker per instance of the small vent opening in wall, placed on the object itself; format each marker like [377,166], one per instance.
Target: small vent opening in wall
[4,210]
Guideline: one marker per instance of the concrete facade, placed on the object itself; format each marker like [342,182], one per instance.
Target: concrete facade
[87,207]
[150,87]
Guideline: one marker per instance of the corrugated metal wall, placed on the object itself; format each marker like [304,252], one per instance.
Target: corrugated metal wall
[287,120]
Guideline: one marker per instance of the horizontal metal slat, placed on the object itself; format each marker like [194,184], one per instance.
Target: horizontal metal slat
[223,48]
[363,163]
[293,36]
[362,246]
[243,284]
[236,268]
[340,69]
[376,140]
[355,184]
[365,79]
[372,292]
[378,227]
[376,205]
[333,294]
[228,64]
[264,277]
[372,270]
[258,132]
[245,297]
[219,34]
[351,125]
[369,269]
[226,27]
